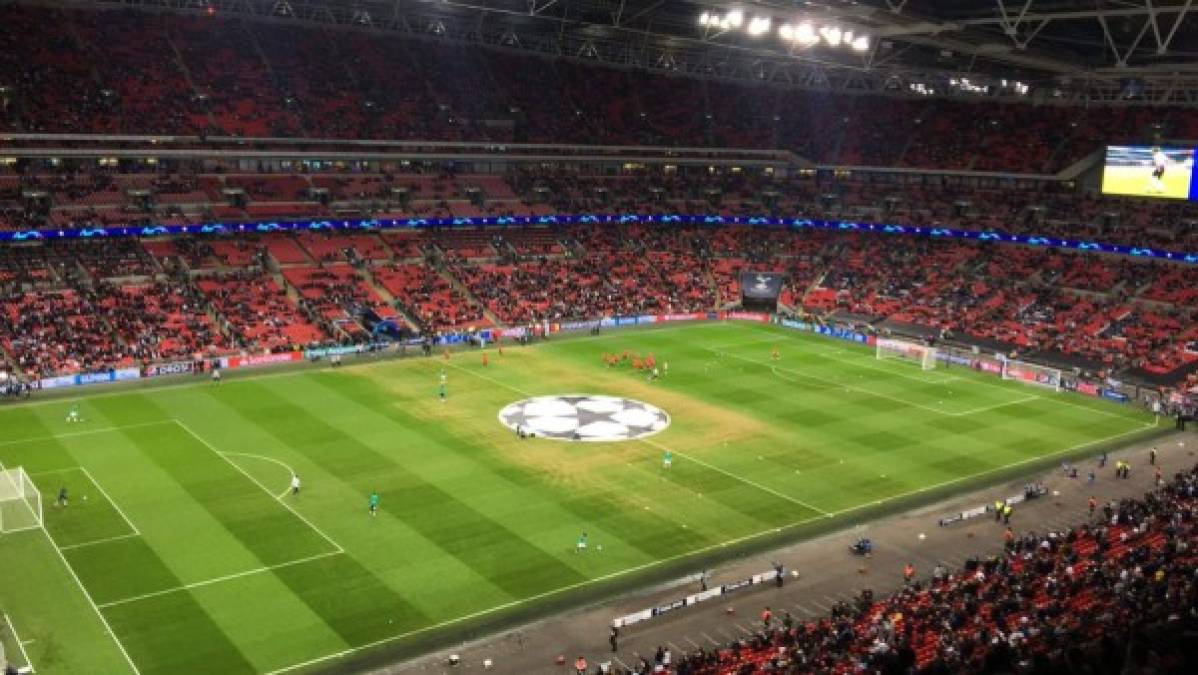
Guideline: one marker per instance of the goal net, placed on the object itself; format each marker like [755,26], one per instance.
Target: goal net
[1031,373]
[924,355]
[20,501]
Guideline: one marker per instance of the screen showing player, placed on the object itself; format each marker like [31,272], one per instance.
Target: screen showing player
[1148,171]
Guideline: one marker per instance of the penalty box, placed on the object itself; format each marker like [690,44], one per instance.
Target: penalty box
[207,520]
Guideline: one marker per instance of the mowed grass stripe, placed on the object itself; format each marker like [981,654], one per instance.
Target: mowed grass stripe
[250,515]
[890,458]
[391,433]
[125,567]
[735,493]
[286,538]
[66,637]
[601,496]
[757,392]
[486,545]
[588,500]
[48,453]
[392,552]
[171,634]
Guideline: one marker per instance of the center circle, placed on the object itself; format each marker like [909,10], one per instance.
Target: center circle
[584,417]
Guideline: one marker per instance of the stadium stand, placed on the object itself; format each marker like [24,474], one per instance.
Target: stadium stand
[1103,314]
[1112,595]
[229,77]
[278,120]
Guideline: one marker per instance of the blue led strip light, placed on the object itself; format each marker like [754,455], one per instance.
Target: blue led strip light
[518,221]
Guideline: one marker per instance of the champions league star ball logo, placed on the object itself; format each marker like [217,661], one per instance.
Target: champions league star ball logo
[763,283]
[580,417]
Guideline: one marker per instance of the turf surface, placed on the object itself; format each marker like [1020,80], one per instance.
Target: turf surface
[195,558]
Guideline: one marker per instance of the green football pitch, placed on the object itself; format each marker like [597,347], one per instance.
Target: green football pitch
[181,550]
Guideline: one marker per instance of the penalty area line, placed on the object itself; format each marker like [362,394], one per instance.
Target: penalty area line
[284,504]
[88,596]
[12,627]
[217,580]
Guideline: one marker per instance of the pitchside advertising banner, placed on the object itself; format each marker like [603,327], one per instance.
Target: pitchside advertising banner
[987,236]
[117,375]
[694,598]
[828,331]
[161,369]
[255,360]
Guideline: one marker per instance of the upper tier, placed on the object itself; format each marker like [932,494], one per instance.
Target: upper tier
[137,73]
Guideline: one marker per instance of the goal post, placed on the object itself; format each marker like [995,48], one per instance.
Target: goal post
[20,501]
[889,348]
[1030,373]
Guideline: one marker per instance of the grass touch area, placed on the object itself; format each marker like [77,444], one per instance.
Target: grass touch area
[182,552]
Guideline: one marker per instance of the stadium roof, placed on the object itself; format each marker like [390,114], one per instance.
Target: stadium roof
[1143,51]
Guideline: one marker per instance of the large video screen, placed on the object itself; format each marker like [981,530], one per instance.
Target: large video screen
[1149,171]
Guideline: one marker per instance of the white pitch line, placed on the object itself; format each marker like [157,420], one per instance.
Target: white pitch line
[90,601]
[747,343]
[780,374]
[110,499]
[860,363]
[50,472]
[217,580]
[742,479]
[1063,397]
[20,643]
[243,472]
[84,432]
[290,471]
[996,406]
[96,542]
[832,384]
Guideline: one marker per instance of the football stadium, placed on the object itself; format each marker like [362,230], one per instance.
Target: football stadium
[598,336]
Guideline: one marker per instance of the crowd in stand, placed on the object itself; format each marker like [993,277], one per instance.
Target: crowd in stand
[1032,209]
[94,304]
[1115,595]
[76,71]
